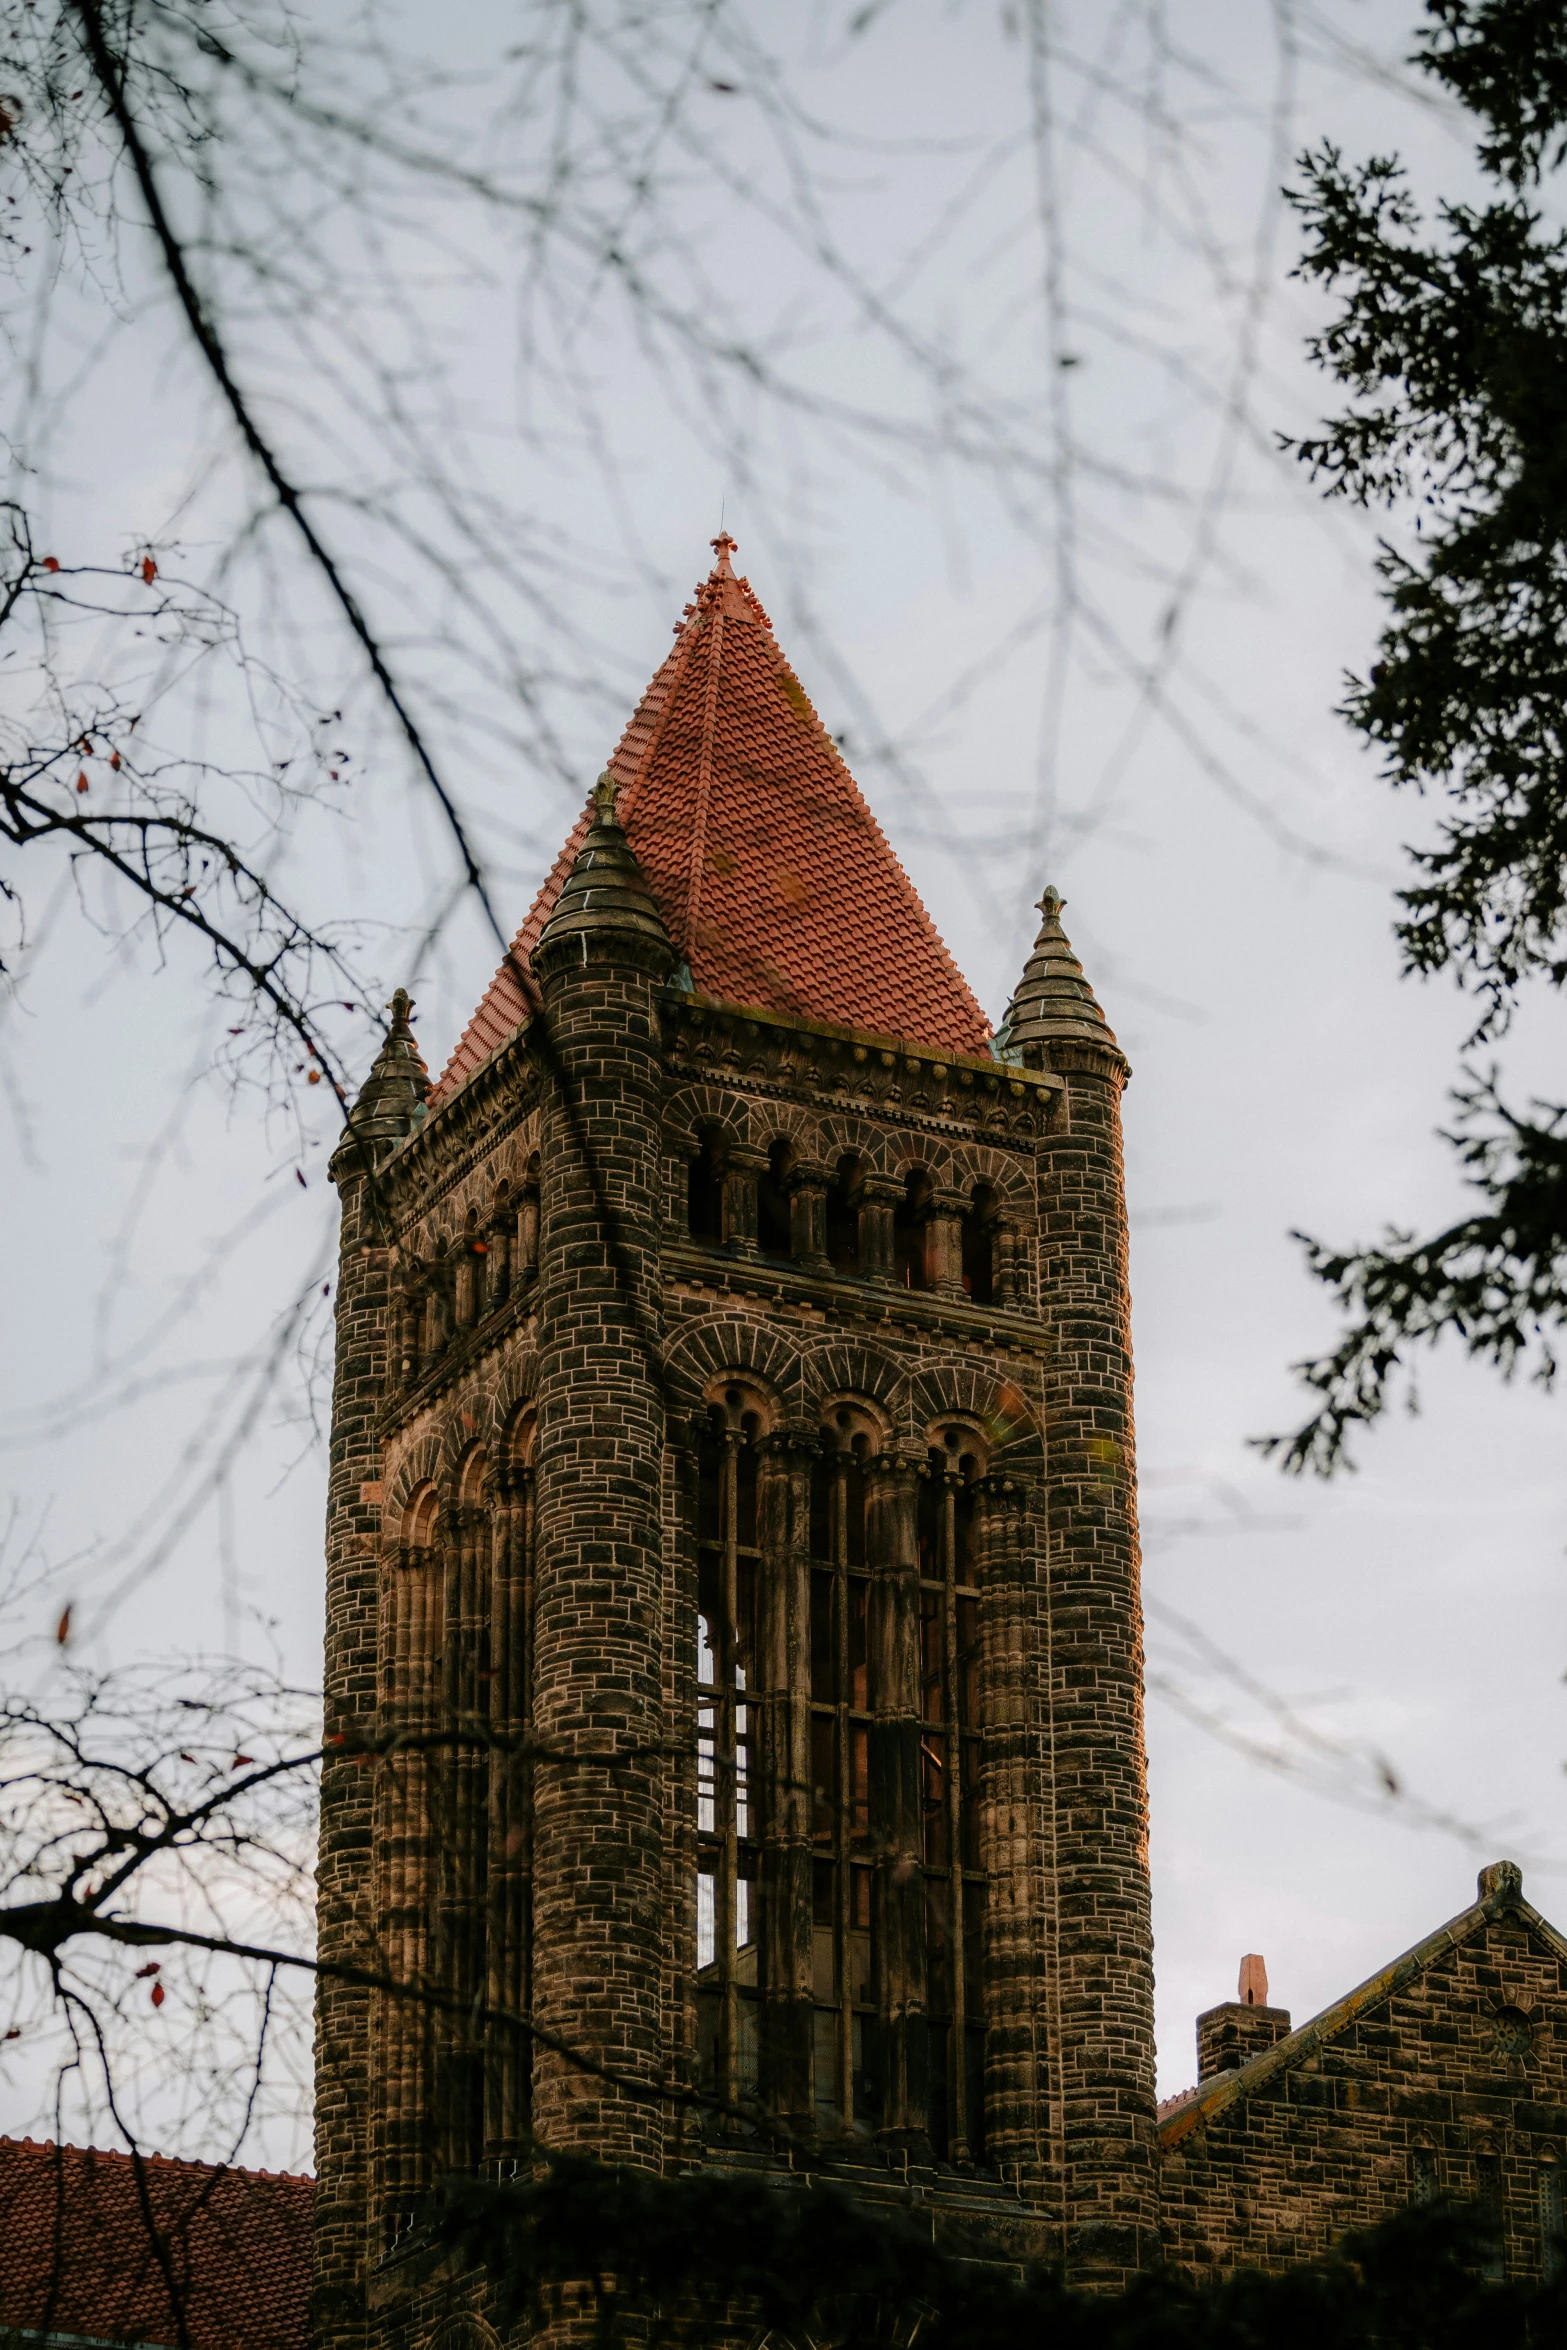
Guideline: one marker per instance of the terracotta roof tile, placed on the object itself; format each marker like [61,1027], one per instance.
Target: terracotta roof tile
[777,884]
[76,2256]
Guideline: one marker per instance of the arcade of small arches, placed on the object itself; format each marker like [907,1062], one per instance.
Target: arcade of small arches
[849,1218]
[462,1276]
[837,1588]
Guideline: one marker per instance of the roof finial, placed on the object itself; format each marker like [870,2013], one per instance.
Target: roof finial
[723,547]
[605,793]
[1052,904]
[401,1008]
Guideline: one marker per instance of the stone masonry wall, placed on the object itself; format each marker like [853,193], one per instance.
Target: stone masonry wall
[1454,2082]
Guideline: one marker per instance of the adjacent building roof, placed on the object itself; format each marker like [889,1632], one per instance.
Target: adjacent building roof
[96,2248]
[776,883]
[1500,1894]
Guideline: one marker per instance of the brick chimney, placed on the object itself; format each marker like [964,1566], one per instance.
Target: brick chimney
[1243,2027]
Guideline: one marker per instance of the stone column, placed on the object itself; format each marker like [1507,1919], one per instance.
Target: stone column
[599,1577]
[742,1166]
[944,1242]
[808,1217]
[879,1201]
[1004,1240]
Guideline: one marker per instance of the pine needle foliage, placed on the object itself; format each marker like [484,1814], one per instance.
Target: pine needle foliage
[1450,340]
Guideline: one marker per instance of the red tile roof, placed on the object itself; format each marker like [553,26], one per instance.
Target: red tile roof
[77,2255]
[777,884]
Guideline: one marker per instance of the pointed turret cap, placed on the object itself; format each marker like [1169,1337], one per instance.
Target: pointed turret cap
[1054,1001]
[391,1100]
[605,889]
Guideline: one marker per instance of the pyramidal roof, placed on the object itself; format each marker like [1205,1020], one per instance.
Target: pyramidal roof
[776,882]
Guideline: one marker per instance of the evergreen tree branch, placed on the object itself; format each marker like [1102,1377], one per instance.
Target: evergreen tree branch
[1495,1279]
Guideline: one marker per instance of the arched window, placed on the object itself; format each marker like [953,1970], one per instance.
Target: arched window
[774,1235]
[979,1246]
[419,1519]
[843,1216]
[950,1750]
[705,1189]
[837,1721]
[910,1233]
[846,2070]
[728,1823]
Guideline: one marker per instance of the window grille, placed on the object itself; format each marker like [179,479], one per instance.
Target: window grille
[728,1822]
[846,2073]
[950,1749]
[887,1739]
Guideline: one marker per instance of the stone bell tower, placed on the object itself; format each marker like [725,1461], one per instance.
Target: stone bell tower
[733,1484]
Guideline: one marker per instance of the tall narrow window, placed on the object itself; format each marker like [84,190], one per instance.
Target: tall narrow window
[404,1846]
[728,1922]
[1424,2185]
[910,1233]
[950,1787]
[462,1785]
[773,1234]
[843,1217]
[1488,2181]
[705,1191]
[1553,2222]
[509,1799]
[846,2069]
[979,1246]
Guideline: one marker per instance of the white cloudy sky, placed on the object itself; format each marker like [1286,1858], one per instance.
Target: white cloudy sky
[993,639]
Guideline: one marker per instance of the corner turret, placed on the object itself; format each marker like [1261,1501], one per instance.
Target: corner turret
[604,892]
[391,1100]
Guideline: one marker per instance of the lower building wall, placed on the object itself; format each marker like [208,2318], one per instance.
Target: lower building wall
[427,2300]
[1454,2084]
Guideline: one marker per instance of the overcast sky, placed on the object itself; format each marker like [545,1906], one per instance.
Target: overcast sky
[991,648]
